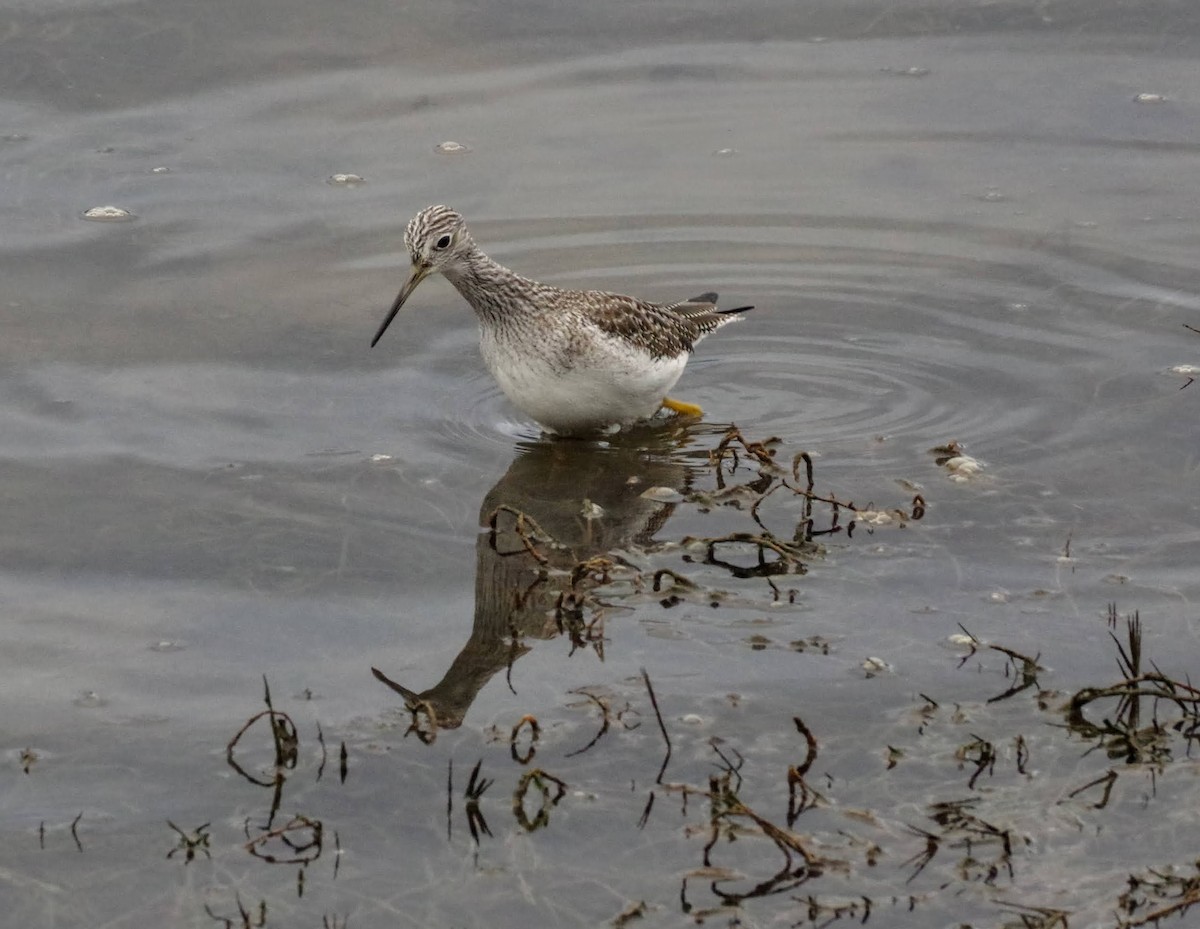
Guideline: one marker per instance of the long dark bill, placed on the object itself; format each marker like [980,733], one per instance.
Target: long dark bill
[415,276]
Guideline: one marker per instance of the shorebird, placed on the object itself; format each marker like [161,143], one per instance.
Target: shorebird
[576,361]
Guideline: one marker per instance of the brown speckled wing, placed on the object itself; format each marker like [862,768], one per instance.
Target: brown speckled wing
[663,330]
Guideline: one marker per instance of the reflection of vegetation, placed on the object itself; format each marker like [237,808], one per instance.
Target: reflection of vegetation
[538,784]
[476,786]
[298,841]
[730,818]
[819,862]
[284,740]
[949,816]
[604,704]
[801,797]
[1023,669]
[246,919]
[1035,917]
[197,841]
[1122,734]
[1155,895]
[969,831]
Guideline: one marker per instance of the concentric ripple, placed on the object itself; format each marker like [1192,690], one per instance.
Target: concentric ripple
[961,333]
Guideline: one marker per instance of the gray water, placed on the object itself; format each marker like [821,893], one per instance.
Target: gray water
[957,222]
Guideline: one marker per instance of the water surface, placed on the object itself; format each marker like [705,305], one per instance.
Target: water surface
[956,224]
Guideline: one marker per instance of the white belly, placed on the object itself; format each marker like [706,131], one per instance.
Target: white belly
[608,386]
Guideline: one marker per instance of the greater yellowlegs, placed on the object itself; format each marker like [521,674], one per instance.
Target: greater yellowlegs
[574,360]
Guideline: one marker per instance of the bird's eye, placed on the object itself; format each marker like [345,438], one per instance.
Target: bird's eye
[443,242]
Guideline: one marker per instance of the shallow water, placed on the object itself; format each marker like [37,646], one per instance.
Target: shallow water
[956,225]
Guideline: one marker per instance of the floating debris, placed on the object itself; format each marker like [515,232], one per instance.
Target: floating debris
[345,180]
[452,148]
[1150,98]
[661,495]
[876,666]
[108,214]
[28,758]
[814,643]
[591,510]
[630,913]
[960,466]
[963,467]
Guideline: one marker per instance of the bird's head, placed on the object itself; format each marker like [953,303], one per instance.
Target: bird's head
[436,238]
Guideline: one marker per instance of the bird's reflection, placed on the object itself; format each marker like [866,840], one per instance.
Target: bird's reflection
[561,503]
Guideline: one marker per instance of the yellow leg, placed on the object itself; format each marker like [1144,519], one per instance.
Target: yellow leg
[683,409]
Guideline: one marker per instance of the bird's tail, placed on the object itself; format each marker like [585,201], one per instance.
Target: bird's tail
[736,309]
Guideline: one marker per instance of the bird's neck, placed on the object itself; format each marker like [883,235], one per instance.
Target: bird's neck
[494,292]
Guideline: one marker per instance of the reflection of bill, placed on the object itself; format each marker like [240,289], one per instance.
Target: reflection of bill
[560,504]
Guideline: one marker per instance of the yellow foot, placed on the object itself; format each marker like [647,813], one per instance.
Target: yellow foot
[683,409]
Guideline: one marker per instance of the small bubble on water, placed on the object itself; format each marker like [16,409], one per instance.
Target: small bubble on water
[89,700]
[344,180]
[160,170]
[1150,98]
[107,214]
[1018,307]
[725,152]
[992,195]
[167,645]
[906,72]
[452,148]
